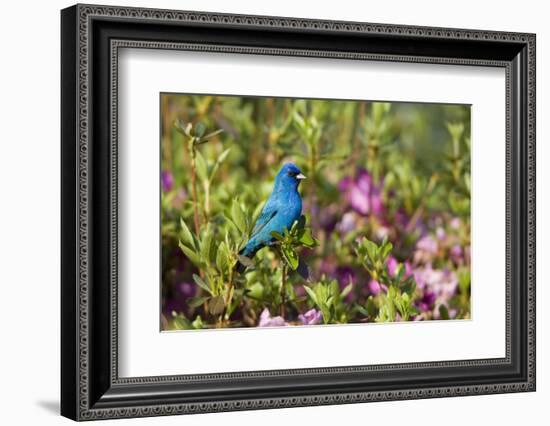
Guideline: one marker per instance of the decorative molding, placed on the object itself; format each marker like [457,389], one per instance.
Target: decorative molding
[87,12]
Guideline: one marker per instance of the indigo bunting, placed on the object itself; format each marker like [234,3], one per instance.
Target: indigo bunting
[282,208]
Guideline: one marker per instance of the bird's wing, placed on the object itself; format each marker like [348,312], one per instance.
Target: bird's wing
[268,212]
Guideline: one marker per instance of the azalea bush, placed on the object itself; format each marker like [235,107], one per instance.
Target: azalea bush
[385,230]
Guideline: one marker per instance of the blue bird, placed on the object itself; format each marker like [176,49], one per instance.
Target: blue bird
[283,207]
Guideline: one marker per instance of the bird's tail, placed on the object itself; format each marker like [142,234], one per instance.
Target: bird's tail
[240,268]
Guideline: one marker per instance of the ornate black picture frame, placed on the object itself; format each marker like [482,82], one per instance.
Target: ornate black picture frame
[91,36]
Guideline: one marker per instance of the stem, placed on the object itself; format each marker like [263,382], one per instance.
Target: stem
[194,185]
[228,296]
[283,288]
[194,190]
[166,134]
[206,202]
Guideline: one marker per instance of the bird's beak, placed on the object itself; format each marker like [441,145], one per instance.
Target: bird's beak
[300,176]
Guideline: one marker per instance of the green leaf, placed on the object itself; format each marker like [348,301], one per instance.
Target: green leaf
[256,290]
[191,255]
[212,134]
[221,258]
[197,323]
[216,305]
[246,261]
[206,244]
[197,301]
[362,310]
[201,166]
[371,307]
[371,248]
[291,257]
[218,162]
[311,294]
[326,314]
[231,306]
[444,312]
[298,119]
[346,290]
[277,236]
[199,129]
[238,217]
[464,279]
[306,239]
[400,272]
[200,282]
[186,235]
[182,127]
[386,250]
[408,285]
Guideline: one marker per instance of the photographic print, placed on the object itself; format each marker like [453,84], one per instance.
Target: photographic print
[299,212]
[394,205]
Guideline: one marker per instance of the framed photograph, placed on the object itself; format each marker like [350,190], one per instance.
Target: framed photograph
[263,212]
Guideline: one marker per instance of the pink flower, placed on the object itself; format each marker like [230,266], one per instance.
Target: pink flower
[267,321]
[442,282]
[375,287]
[427,244]
[427,301]
[363,196]
[311,317]
[392,264]
[347,224]
[426,249]
[167,181]
[455,223]
[456,253]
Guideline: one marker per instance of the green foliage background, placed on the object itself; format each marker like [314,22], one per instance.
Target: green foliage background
[387,201]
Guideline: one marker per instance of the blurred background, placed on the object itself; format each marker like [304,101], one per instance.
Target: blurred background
[387,200]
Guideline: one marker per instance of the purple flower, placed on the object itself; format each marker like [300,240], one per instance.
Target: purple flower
[456,253]
[344,275]
[455,223]
[167,181]
[442,282]
[427,301]
[187,289]
[377,205]
[402,218]
[361,193]
[440,233]
[427,244]
[311,317]
[392,264]
[375,287]
[426,249]
[266,320]
[347,224]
